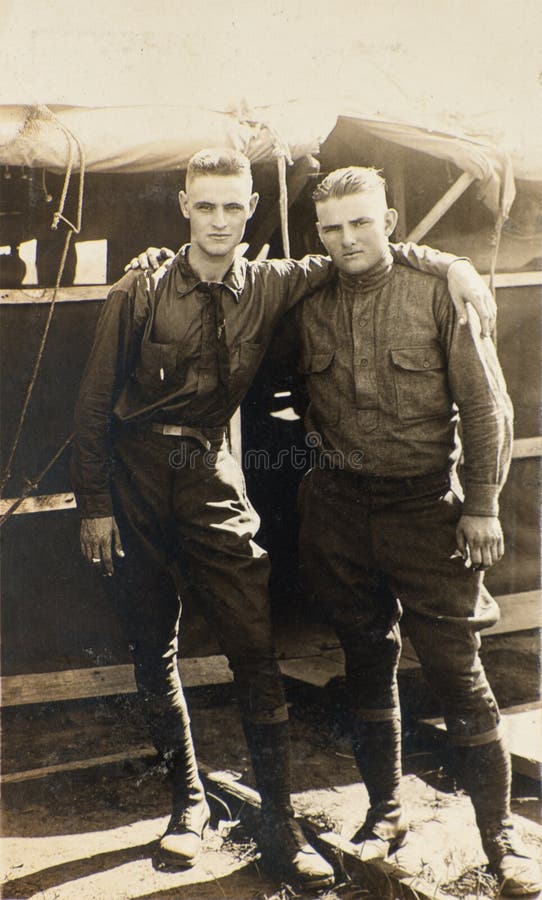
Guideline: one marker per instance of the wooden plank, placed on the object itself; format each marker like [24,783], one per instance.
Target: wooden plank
[516,279]
[441,207]
[315,670]
[523,448]
[524,733]
[408,886]
[523,730]
[527,447]
[77,765]
[40,503]
[76,684]
[92,292]
[73,294]
[402,871]
[519,612]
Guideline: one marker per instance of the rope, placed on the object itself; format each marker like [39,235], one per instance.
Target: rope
[33,485]
[281,151]
[57,217]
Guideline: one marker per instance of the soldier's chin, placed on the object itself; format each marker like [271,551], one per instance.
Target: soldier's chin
[218,249]
[354,265]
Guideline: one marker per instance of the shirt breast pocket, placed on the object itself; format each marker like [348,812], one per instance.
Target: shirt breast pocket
[317,368]
[159,368]
[421,385]
[244,361]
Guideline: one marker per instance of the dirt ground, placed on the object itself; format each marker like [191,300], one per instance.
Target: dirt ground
[90,834]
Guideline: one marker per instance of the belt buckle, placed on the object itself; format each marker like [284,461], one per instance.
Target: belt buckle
[184,431]
[173,430]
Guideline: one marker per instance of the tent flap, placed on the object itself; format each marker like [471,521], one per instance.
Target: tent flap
[143,138]
[133,139]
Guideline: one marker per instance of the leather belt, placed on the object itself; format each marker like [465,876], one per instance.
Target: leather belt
[188,431]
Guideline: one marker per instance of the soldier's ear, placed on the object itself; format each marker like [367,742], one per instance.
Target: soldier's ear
[320,234]
[183,203]
[252,204]
[390,221]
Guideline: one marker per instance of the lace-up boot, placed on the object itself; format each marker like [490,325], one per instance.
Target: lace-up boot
[181,844]
[377,749]
[284,848]
[485,774]
[510,862]
[287,853]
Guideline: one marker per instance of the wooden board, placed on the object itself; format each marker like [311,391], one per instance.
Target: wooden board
[78,293]
[524,733]
[523,730]
[75,684]
[71,294]
[40,503]
[228,785]
[315,670]
[333,846]
[77,765]
[519,612]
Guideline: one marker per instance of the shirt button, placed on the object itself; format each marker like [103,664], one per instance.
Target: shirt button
[364,363]
[426,363]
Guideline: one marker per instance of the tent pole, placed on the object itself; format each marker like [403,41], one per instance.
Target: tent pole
[442,206]
[395,177]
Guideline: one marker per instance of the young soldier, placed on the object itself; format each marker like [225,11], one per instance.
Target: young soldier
[384,527]
[172,359]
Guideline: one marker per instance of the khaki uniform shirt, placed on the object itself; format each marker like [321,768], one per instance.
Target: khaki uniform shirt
[391,373]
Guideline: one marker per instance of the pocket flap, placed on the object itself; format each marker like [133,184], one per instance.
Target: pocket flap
[419,359]
[316,362]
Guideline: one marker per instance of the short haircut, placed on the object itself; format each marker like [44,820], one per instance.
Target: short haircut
[218,161]
[351,180]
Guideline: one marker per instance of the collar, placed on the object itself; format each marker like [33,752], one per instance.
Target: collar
[186,279]
[374,278]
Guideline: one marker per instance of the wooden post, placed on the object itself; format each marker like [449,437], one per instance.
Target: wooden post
[446,201]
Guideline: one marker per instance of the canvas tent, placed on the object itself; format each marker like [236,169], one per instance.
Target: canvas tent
[162,138]
[133,157]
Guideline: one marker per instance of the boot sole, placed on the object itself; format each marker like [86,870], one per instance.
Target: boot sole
[316,883]
[165,859]
[305,885]
[302,884]
[171,861]
[393,847]
[274,870]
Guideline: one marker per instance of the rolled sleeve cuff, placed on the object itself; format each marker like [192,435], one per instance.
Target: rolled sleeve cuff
[455,259]
[481,500]
[94,506]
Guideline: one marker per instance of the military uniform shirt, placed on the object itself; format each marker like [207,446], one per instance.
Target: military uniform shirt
[162,360]
[389,373]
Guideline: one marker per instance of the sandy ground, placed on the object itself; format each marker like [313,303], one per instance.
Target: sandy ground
[90,835]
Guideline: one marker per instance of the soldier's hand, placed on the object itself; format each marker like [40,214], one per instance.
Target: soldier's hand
[480,539]
[100,538]
[467,286]
[151,258]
